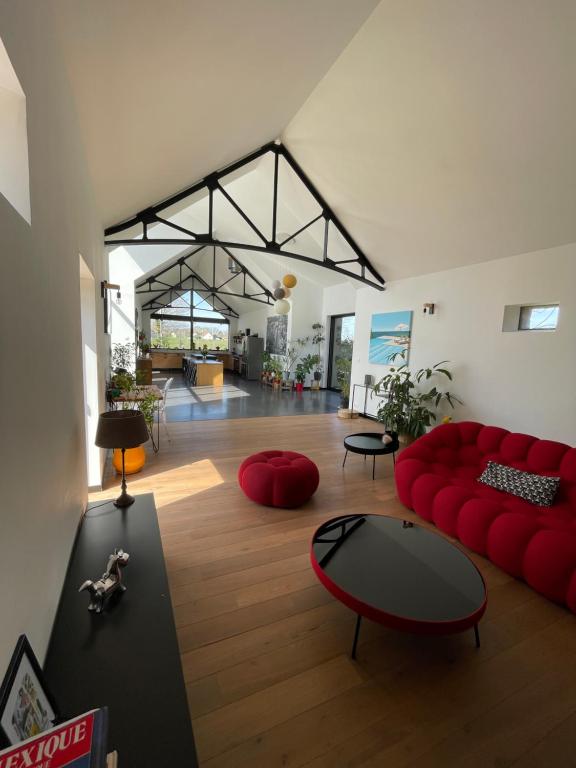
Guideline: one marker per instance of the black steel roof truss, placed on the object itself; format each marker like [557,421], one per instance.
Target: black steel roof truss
[148,284]
[211,183]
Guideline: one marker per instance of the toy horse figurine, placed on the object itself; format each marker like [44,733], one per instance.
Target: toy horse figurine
[110,582]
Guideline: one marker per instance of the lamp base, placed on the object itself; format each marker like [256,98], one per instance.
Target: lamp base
[124,500]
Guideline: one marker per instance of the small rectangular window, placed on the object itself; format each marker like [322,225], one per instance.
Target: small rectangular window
[530,317]
[539,318]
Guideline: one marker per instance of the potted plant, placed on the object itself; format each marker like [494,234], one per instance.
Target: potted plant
[265,365]
[276,366]
[123,381]
[123,357]
[143,344]
[148,407]
[309,362]
[318,339]
[343,371]
[300,377]
[410,408]
[290,357]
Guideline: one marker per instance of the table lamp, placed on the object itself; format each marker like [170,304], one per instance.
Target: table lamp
[121,429]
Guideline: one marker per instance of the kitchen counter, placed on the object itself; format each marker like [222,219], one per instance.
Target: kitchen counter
[165,359]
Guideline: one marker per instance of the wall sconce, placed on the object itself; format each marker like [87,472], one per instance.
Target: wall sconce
[105,286]
[428,309]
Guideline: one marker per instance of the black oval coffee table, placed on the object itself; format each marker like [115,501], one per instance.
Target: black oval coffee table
[370,444]
[399,574]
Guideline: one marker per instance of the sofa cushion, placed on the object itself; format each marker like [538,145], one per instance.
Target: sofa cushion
[537,489]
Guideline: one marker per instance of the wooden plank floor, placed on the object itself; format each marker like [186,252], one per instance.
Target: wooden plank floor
[265,647]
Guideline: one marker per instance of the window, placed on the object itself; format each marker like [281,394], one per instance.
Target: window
[175,326]
[530,317]
[14,176]
[170,334]
[341,344]
[543,318]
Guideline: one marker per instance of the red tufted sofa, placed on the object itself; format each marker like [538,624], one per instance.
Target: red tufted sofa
[437,477]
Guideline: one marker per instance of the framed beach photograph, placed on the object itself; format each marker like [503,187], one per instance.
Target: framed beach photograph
[26,706]
[389,334]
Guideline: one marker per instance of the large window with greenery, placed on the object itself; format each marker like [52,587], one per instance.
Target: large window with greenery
[176,326]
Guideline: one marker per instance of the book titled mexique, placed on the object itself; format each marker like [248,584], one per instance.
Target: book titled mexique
[78,743]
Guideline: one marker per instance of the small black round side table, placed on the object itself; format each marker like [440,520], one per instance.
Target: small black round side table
[370,444]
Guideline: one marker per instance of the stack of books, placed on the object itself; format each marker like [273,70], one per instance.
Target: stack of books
[77,743]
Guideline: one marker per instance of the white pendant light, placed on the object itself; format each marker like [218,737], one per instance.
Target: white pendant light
[281,307]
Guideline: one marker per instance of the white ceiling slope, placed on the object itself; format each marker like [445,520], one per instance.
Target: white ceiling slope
[444,134]
[169,90]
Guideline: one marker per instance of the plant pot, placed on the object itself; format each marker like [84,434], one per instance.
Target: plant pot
[299,386]
[317,376]
[134,460]
[344,401]
[406,439]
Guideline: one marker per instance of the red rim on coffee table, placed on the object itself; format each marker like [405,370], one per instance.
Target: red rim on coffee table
[399,574]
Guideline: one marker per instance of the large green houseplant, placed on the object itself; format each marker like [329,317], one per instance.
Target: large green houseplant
[318,339]
[411,399]
[343,372]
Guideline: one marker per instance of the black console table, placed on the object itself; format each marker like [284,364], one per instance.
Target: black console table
[126,658]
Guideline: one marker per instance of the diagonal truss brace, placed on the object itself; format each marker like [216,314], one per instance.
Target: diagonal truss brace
[153,215]
[189,279]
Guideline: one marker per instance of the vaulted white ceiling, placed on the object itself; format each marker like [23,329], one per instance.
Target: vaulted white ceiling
[169,90]
[441,133]
[444,134]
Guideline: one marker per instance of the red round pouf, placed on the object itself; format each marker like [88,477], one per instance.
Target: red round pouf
[278,478]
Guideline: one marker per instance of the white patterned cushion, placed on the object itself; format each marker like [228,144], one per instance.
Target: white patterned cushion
[537,489]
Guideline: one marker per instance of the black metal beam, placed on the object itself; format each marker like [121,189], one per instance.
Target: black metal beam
[213,290]
[211,183]
[328,264]
[188,318]
[159,303]
[205,288]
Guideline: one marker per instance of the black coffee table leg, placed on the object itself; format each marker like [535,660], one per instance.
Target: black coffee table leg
[373,465]
[477,635]
[345,457]
[356,633]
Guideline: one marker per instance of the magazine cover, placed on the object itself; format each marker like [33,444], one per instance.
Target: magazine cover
[78,743]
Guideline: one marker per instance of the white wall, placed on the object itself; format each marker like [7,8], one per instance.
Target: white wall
[521,381]
[42,461]
[306,309]
[125,266]
[95,456]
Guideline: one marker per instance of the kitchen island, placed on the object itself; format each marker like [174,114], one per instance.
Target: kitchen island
[203,373]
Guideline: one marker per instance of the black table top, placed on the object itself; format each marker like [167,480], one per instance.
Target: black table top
[127,657]
[399,570]
[369,443]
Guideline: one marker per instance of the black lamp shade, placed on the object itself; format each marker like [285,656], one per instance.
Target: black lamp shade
[121,429]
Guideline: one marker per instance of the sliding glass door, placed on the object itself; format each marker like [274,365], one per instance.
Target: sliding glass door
[341,346]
